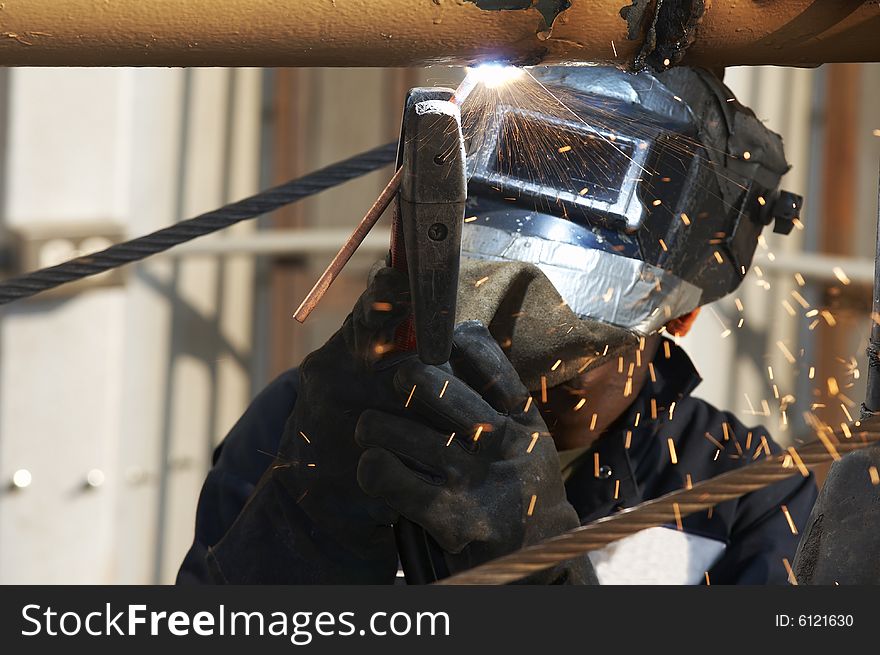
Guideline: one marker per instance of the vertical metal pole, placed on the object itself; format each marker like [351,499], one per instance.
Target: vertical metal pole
[871,406]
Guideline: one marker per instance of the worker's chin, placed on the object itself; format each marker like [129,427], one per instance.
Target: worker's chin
[546,342]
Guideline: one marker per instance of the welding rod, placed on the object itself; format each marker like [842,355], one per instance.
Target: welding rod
[348,248]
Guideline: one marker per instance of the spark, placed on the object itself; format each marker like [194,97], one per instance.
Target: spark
[408,400]
[786,352]
[616,489]
[534,440]
[829,318]
[833,387]
[628,441]
[443,390]
[532,505]
[677,516]
[747,155]
[714,441]
[564,149]
[528,405]
[556,365]
[481,281]
[382,306]
[303,435]
[800,299]
[596,466]
[478,432]
[580,403]
[470,219]
[812,372]
[788,518]
[791,578]
[840,275]
[614,50]
[593,421]
[685,219]
[543,389]
[451,437]
[673,456]
[875,476]
[706,573]
[688,482]
[800,279]
[795,456]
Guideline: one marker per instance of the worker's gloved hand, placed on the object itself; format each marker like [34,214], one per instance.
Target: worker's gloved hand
[468,462]
[325,527]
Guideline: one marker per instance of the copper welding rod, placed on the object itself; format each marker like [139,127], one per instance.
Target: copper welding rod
[668,509]
[348,248]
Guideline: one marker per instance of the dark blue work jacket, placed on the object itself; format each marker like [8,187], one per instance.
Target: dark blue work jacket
[665,440]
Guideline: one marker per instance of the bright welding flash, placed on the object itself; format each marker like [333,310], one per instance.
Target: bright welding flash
[491,76]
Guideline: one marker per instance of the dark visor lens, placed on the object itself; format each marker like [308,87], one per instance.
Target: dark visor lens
[586,164]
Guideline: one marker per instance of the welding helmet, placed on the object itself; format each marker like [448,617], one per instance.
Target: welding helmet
[640,196]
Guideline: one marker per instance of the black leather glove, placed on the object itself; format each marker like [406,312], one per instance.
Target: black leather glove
[467,462]
[308,513]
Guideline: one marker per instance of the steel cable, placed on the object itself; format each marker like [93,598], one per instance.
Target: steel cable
[28,284]
[668,509]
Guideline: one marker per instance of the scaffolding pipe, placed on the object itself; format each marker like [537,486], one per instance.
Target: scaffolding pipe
[424,32]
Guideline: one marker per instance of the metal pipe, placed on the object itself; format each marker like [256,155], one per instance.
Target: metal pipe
[424,32]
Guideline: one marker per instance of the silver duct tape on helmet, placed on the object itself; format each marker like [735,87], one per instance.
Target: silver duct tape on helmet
[595,284]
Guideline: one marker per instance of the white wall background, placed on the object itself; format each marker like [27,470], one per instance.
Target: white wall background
[86,383]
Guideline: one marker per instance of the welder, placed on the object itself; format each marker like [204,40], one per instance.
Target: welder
[597,225]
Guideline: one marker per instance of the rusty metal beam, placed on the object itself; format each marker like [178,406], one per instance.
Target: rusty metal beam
[420,32]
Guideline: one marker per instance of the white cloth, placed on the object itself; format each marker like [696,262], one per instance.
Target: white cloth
[660,556]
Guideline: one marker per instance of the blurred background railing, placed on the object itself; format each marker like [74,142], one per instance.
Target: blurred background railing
[111,400]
